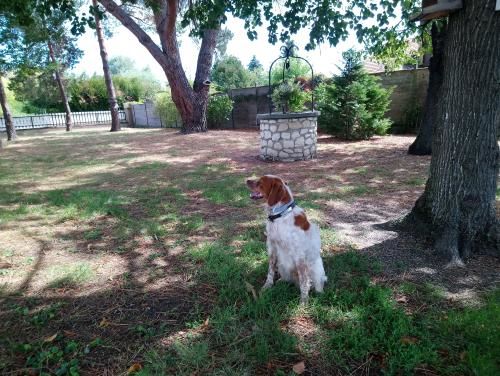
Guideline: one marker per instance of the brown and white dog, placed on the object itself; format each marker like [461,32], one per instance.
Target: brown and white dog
[293,243]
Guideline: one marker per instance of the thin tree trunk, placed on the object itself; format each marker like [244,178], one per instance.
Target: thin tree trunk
[458,204]
[62,90]
[113,104]
[7,116]
[423,143]
[191,102]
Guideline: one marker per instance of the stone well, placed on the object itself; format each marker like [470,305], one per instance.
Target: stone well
[288,137]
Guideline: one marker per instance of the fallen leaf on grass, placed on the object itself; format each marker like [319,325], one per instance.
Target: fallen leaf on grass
[205,324]
[69,333]
[409,340]
[104,323]
[5,265]
[251,289]
[299,368]
[401,299]
[51,338]
[134,368]
[443,353]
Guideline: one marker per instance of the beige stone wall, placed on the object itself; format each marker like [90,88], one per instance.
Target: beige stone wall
[289,139]
[409,90]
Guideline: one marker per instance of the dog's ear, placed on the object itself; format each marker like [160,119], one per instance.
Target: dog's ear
[277,193]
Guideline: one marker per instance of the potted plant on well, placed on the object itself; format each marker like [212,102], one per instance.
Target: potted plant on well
[289,97]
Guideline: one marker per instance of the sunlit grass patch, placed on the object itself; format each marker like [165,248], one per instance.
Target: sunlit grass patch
[312,200]
[71,275]
[85,203]
[354,190]
[7,214]
[151,166]
[415,181]
[189,224]
[472,335]
[331,242]
[65,204]
[219,185]
[93,234]
[359,170]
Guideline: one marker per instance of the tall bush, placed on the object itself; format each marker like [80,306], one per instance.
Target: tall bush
[218,110]
[229,73]
[39,94]
[166,110]
[354,104]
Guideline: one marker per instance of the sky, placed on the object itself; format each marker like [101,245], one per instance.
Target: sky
[324,59]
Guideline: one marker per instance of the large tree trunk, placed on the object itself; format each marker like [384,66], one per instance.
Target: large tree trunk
[191,102]
[62,90]
[7,116]
[195,120]
[458,205]
[113,104]
[423,143]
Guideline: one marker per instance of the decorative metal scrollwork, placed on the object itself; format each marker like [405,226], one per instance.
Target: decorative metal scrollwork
[288,52]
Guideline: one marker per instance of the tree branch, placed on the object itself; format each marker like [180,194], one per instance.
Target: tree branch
[135,29]
[205,58]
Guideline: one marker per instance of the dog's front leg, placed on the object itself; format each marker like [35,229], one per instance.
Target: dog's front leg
[271,272]
[304,282]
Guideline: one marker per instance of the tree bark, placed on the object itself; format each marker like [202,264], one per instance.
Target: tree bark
[423,143]
[113,104]
[62,90]
[7,116]
[458,204]
[191,102]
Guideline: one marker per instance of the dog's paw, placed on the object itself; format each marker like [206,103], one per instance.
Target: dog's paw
[267,285]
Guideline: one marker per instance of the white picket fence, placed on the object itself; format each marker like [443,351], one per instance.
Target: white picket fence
[59,120]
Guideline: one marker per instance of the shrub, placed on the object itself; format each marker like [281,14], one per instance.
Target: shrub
[90,93]
[289,97]
[218,110]
[297,68]
[353,106]
[412,117]
[229,73]
[166,110]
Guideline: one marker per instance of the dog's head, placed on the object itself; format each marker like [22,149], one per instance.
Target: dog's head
[271,188]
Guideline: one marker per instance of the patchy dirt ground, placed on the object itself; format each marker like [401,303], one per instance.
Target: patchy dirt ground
[96,224]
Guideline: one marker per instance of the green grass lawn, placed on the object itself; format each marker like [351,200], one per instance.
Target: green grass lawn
[141,251]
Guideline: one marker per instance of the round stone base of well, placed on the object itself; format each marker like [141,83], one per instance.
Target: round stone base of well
[288,137]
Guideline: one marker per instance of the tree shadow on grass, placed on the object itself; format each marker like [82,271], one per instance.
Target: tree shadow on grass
[412,259]
[180,295]
[153,295]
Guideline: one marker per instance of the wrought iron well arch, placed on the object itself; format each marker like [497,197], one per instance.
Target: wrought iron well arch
[287,52]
